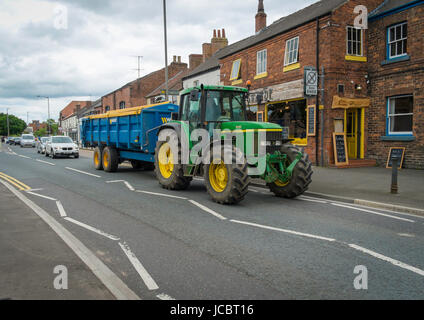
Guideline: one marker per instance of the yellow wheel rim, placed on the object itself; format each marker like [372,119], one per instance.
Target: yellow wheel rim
[96,158]
[218,176]
[166,161]
[105,160]
[279,183]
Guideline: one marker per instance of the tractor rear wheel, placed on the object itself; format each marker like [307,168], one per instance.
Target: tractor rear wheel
[168,169]
[301,176]
[227,183]
[110,159]
[97,159]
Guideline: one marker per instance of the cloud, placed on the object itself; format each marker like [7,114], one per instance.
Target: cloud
[95,54]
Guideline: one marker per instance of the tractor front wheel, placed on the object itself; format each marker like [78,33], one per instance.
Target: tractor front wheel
[227,183]
[301,176]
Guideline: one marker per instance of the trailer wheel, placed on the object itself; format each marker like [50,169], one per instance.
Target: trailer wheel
[227,183]
[301,177]
[168,169]
[110,159]
[97,159]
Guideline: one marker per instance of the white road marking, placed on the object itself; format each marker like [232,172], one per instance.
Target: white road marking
[310,200]
[388,259]
[41,196]
[164,296]
[83,172]
[52,164]
[86,226]
[198,179]
[160,194]
[145,276]
[39,189]
[285,231]
[115,285]
[408,235]
[61,209]
[204,208]
[24,157]
[373,212]
[129,186]
[253,190]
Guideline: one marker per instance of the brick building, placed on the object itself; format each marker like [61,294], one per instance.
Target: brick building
[68,119]
[396,70]
[37,125]
[274,58]
[134,93]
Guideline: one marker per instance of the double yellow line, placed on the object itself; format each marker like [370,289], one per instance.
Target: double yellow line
[21,186]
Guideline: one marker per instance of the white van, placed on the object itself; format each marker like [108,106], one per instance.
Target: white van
[27,140]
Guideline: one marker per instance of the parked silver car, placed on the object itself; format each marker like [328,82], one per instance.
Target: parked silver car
[41,145]
[61,146]
[27,140]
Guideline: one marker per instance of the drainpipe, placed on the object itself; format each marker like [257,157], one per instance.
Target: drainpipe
[318,124]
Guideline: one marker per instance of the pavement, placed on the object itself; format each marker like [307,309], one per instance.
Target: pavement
[30,251]
[181,245]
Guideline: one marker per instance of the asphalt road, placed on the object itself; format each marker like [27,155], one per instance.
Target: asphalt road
[181,245]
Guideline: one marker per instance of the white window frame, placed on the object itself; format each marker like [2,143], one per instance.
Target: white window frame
[354,42]
[292,46]
[261,62]
[236,66]
[390,116]
[397,41]
[120,105]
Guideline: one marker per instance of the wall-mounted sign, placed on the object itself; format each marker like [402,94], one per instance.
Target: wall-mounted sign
[311,81]
[311,120]
[280,92]
[340,149]
[398,153]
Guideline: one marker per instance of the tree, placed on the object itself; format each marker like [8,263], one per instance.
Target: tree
[54,127]
[16,125]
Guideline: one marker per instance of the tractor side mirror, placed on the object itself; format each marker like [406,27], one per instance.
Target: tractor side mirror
[194,95]
[174,116]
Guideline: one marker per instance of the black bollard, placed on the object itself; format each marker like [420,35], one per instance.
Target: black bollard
[394,188]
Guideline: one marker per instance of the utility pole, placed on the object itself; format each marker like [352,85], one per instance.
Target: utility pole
[27,118]
[8,129]
[166,51]
[139,66]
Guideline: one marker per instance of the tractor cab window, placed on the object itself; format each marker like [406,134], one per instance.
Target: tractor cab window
[224,106]
[191,110]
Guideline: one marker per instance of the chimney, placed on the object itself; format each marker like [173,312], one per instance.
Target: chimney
[260,17]
[218,42]
[179,59]
[194,60]
[207,51]
[175,59]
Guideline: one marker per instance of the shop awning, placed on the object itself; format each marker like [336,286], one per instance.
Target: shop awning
[347,103]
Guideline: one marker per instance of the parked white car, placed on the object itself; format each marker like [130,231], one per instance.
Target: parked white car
[61,146]
[41,144]
[27,140]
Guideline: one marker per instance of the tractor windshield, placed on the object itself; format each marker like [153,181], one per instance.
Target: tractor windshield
[224,106]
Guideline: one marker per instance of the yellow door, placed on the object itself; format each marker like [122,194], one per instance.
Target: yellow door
[352,133]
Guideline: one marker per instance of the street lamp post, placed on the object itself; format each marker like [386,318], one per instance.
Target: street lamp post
[166,50]
[48,113]
[7,117]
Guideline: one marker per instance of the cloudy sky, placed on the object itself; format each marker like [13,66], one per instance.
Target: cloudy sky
[82,49]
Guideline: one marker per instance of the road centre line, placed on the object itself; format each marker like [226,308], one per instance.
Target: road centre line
[311,200]
[387,259]
[86,226]
[284,230]
[161,194]
[204,208]
[164,296]
[129,186]
[41,196]
[115,285]
[24,156]
[52,164]
[373,212]
[83,172]
[61,209]
[145,276]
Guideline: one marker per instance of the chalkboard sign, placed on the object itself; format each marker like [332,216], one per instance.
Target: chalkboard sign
[311,116]
[340,149]
[396,152]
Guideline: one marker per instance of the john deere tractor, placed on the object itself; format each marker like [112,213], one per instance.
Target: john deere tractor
[226,164]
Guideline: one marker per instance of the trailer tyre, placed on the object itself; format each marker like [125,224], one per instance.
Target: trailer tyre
[301,177]
[97,159]
[110,159]
[227,183]
[169,172]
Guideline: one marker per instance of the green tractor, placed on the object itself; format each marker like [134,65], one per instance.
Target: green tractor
[227,174]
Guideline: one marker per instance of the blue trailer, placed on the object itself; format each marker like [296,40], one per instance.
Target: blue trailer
[127,134]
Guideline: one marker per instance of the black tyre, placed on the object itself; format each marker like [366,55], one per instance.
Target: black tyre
[76,156]
[227,183]
[301,177]
[168,169]
[46,154]
[110,159]
[97,159]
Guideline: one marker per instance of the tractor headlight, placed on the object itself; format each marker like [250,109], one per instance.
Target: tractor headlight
[278,143]
[265,143]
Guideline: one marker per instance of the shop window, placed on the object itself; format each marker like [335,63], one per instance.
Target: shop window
[122,105]
[261,60]
[292,51]
[397,40]
[251,113]
[354,42]
[400,115]
[235,71]
[107,108]
[292,115]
